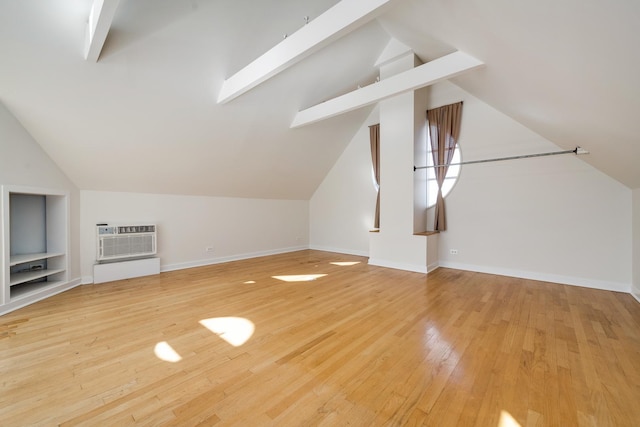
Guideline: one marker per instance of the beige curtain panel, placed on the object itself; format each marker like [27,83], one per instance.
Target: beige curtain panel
[444,130]
[374,136]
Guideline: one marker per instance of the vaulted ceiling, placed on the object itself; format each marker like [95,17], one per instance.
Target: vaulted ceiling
[145,116]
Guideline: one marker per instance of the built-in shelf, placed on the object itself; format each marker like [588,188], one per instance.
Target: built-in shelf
[24,290]
[27,276]
[19,259]
[35,261]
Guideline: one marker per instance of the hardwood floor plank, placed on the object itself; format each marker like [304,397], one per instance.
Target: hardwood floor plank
[360,346]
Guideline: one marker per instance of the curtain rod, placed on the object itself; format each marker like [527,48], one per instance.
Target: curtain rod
[576,151]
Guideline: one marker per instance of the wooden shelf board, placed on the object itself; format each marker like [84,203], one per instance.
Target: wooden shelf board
[426,233]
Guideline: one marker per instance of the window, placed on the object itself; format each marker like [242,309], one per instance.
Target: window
[449,180]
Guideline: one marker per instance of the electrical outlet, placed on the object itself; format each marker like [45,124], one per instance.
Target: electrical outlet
[453,252]
[208,249]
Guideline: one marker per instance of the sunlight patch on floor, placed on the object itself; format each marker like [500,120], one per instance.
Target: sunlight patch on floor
[506,420]
[165,352]
[234,330]
[299,277]
[345,263]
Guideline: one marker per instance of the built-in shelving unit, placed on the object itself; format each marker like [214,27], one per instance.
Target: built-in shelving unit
[28,276]
[35,261]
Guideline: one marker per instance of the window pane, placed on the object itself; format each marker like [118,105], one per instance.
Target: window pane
[449,181]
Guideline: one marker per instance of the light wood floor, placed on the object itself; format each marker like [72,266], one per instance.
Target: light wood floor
[361,346]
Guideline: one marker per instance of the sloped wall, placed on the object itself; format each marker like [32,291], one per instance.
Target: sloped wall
[555,218]
[24,163]
[342,208]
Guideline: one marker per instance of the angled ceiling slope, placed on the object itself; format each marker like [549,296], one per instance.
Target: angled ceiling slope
[144,118]
[341,19]
[567,70]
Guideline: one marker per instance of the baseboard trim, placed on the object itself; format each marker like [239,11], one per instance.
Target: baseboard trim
[433,266]
[543,277]
[636,296]
[339,250]
[87,280]
[398,265]
[220,260]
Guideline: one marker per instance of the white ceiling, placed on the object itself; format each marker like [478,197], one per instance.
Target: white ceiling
[144,118]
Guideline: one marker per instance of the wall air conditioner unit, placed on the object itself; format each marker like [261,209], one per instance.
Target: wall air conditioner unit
[120,242]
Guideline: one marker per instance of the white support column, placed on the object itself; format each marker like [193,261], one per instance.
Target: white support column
[395,245]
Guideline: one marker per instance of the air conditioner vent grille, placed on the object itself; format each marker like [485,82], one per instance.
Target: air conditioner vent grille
[121,242]
[126,229]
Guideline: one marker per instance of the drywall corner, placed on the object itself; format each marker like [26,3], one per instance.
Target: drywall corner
[635,209]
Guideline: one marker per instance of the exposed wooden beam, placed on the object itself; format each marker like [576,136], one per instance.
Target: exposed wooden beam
[100,19]
[341,19]
[432,72]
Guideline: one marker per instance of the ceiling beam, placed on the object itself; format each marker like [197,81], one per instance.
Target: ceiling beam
[98,26]
[341,19]
[432,72]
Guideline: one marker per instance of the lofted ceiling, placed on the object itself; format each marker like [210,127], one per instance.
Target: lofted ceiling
[144,118]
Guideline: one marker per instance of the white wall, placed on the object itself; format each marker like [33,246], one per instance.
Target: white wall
[553,218]
[343,206]
[236,228]
[636,243]
[24,163]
